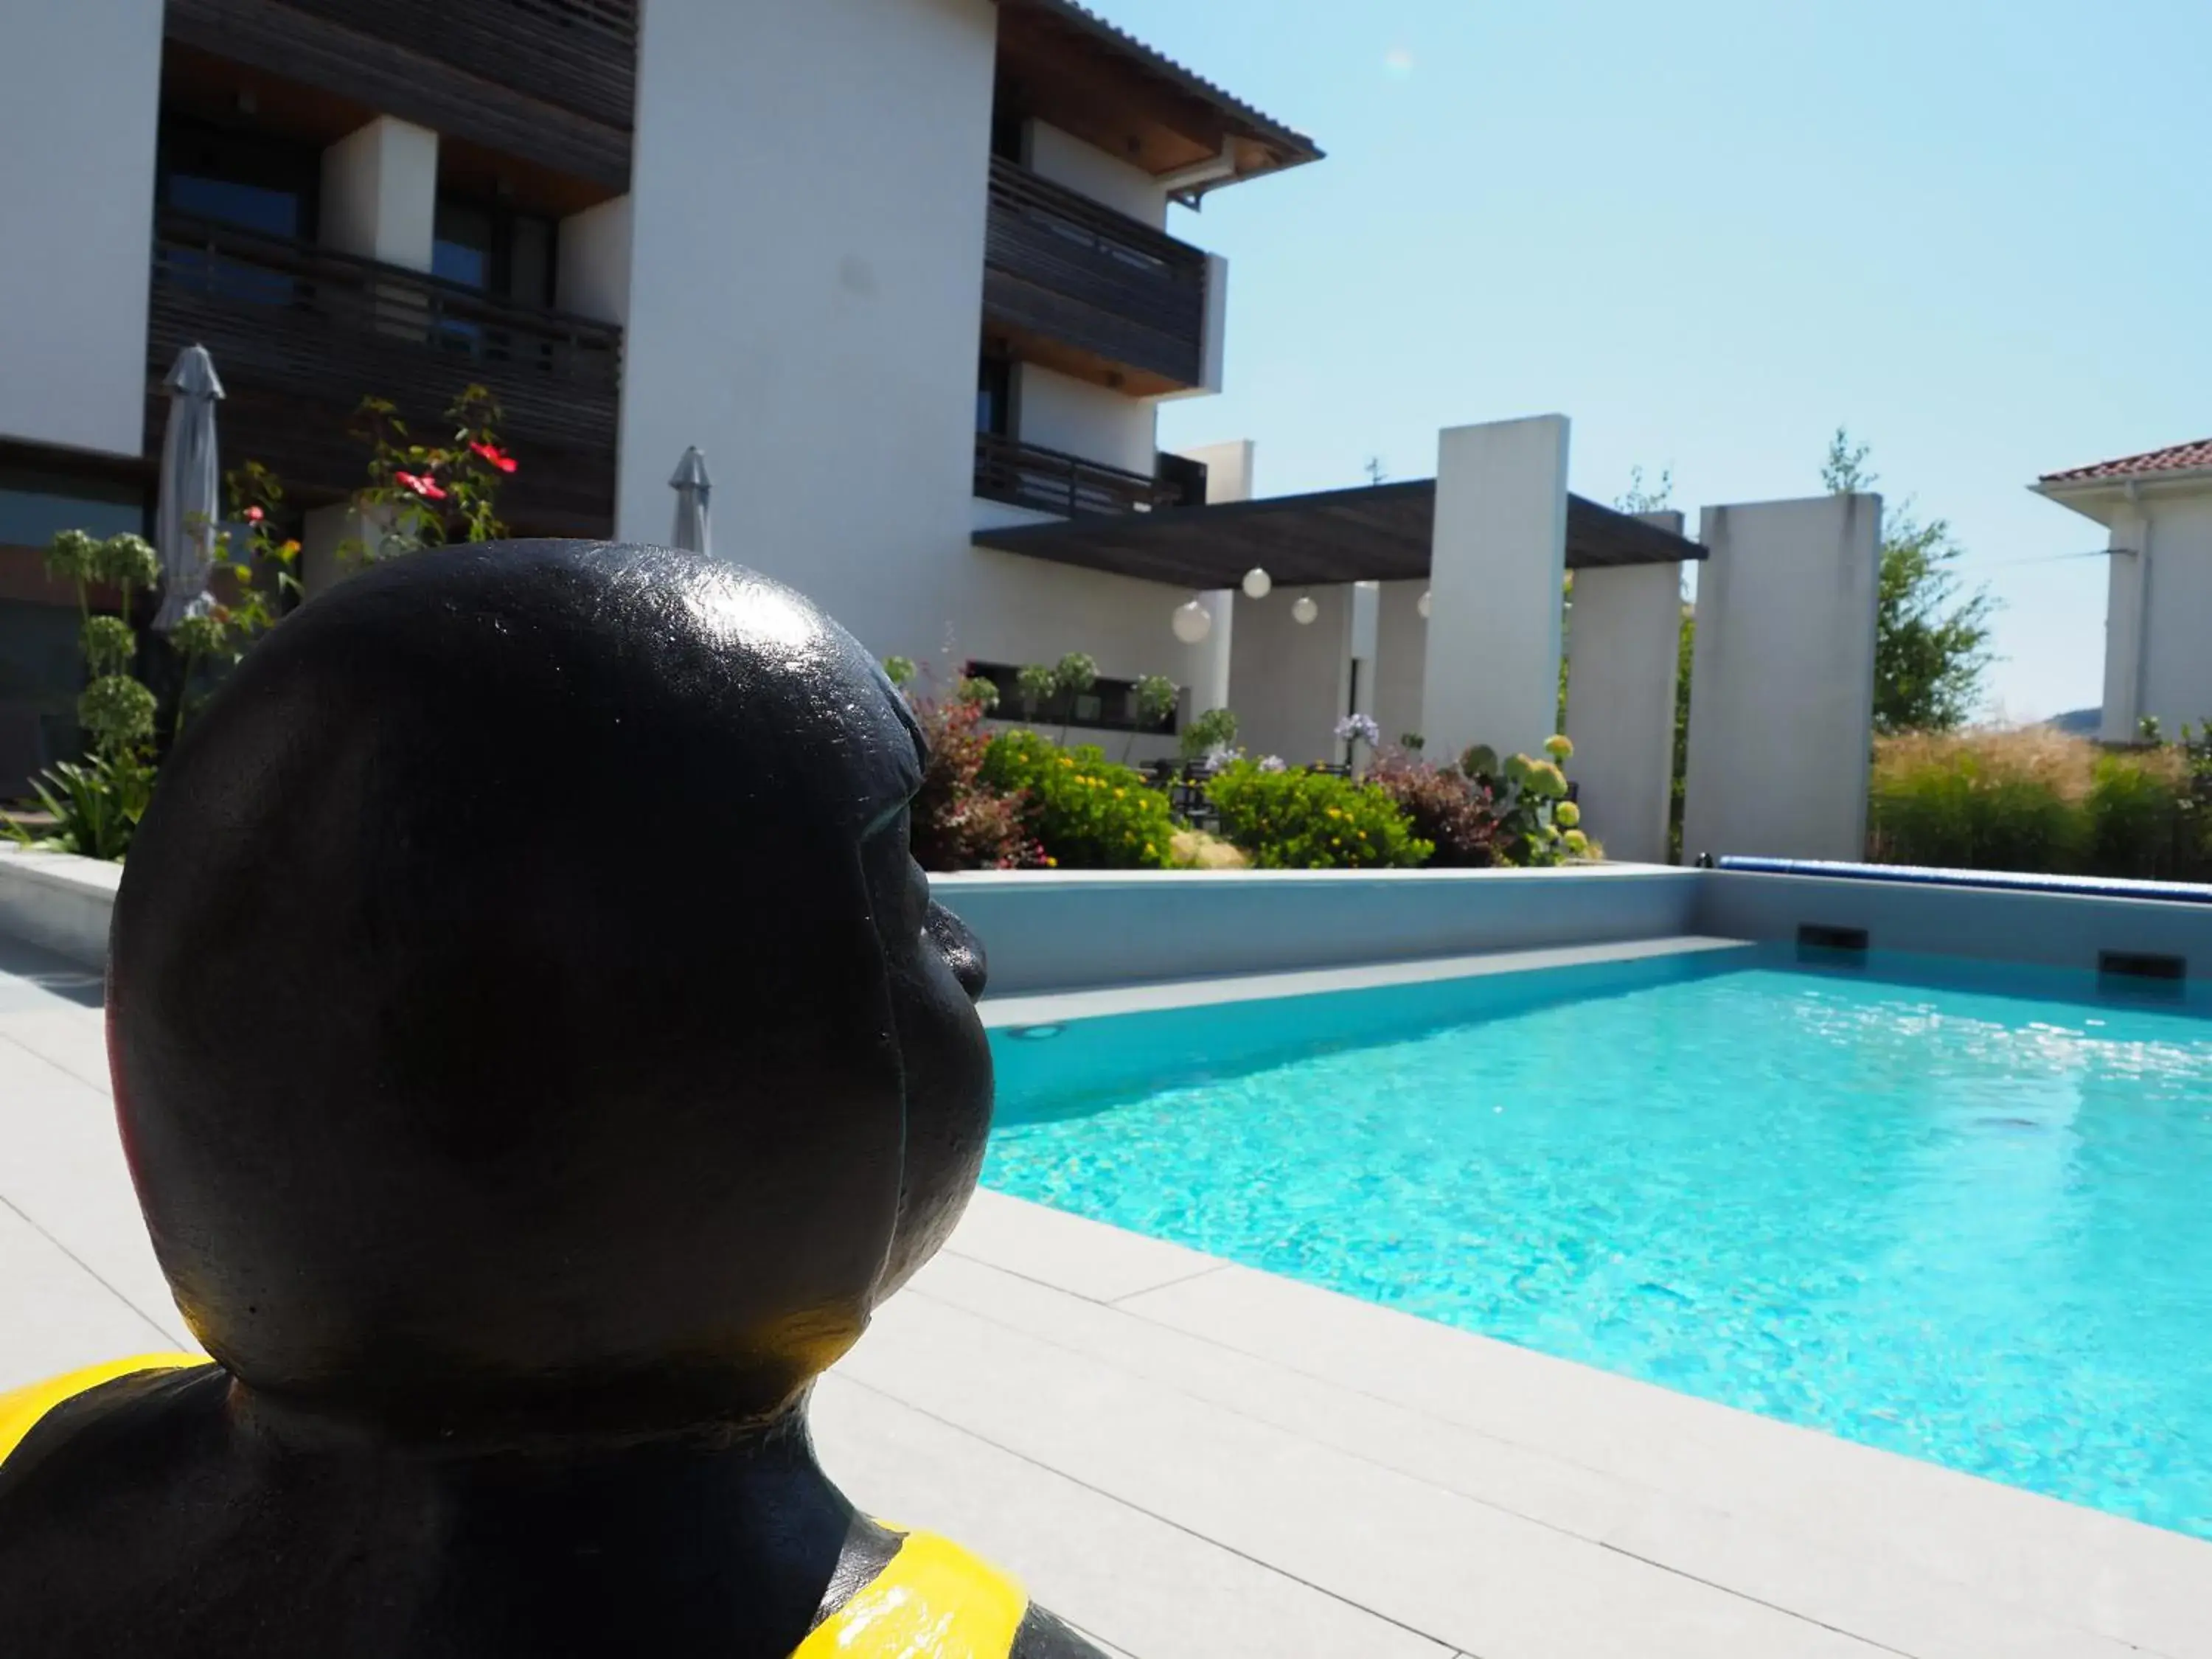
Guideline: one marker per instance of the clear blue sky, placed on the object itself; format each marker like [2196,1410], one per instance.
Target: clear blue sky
[1975,231]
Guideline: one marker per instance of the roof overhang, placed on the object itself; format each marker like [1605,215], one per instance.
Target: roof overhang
[2103,500]
[1072,68]
[1365,533]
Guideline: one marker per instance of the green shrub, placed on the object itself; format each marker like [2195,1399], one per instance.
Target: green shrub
[2139,817]
[1534,823]
[1286,820]
[1087,812]
[1442,806]
[95,806]
[1982,800]
[959,822]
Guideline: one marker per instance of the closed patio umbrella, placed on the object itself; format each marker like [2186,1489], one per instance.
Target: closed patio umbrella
[185,515]
[692,487]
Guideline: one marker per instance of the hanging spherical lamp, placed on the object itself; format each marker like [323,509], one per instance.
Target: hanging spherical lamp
[1258,584]
[1305,610]
[1425,604]
[1192,622]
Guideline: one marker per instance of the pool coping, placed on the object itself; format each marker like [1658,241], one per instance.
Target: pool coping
[1616,1516]
[1058,1007]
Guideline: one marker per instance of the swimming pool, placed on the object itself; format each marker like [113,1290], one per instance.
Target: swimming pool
[1963,1214]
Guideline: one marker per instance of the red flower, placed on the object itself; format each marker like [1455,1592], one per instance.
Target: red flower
[254,515]
[491,454]
[424,485]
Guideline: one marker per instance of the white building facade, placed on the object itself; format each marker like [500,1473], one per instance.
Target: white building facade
[901,270]
[2156,509]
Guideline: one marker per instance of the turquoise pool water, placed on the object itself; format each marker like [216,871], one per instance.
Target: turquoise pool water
[1966,1217]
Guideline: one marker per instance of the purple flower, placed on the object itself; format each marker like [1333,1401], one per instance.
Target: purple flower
[1359,728]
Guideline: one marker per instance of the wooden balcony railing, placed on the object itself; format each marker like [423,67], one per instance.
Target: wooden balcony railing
[1061,266]
[300,334]
[1052,481]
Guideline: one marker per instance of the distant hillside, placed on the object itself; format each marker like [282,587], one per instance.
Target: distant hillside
[2080,722]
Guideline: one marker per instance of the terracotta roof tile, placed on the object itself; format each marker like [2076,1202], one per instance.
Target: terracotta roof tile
[2176,457]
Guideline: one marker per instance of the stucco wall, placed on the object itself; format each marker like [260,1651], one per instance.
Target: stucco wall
[1401,659]
[81,83]
[380,196]
[1288,683]
[1500,560]
[1782,686]
[1066,160]
[810,313]
[1099,424]
[593,278]
[1231,469]
[1623,645]
[2176,661]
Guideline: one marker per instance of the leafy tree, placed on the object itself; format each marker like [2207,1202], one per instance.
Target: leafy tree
[1640,497]
[1932,638]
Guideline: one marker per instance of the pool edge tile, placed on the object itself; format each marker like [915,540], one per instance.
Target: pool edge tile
[1057,1007]
[1089,1259]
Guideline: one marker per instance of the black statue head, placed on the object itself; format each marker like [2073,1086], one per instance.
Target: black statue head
[524,1008]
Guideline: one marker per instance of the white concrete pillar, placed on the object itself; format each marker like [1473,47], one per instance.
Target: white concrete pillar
[2127,597]
[1624,641]
[380,196]
[1362,647]
[325,537]
[593,276]
[1492,673]
[80,89]
[1228,478]
[1781,683]
[1401,660]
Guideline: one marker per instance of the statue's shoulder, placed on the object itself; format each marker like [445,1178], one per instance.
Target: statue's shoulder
[935,1598]
[43,1409]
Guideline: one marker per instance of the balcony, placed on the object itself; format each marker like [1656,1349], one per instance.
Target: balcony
[1053,481]
[552,83]
[1079,288]
[300,334]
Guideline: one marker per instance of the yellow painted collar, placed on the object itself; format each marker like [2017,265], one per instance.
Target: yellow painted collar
[934,1600]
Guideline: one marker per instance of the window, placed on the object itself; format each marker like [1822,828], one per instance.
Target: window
[234,178]
[1183,478]
[461,250]
[494,250]
[35,507]
[1108,706]
[994,396]
[246,181]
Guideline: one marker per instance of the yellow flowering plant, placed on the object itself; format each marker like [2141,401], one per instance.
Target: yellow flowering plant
[1087,811]
[1298,820]
[1536,823]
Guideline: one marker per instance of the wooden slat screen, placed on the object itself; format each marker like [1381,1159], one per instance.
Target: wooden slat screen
[1068,267]
[300,334]
[1052,481]
[490,95]
[576,53]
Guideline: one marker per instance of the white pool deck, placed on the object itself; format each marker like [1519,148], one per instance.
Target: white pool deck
[1194,1460]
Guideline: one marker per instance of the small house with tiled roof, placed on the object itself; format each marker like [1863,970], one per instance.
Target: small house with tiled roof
[2157,509]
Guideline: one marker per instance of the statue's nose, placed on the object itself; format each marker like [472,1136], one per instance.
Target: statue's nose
[962,951]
